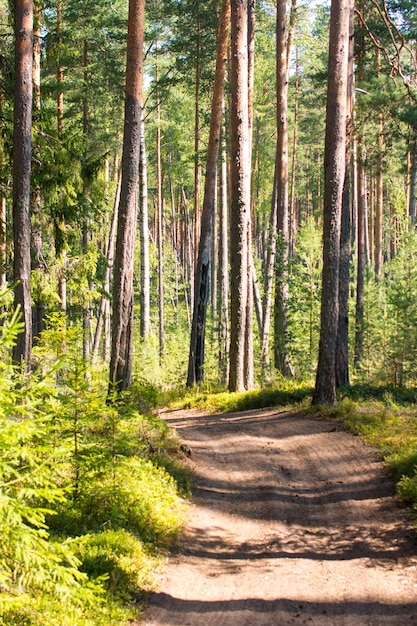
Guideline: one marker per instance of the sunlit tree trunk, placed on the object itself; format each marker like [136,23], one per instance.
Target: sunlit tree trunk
[342,344]
[104,301]
[37,259]
[60,224]
[335,170]
[120,376]
[240,192]
[203,270]
[248,363]
[3,240]
[413,182]
[22,155]
[160,235]
[223,302]
[361,255]
[145,315]
[281,350]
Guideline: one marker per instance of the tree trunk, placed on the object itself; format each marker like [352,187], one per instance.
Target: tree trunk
[293,222]
[37,259]
[342,344]
[281,352]
[60,225]
[223,302]
[197,169]
[3,241]
[160,237]
[248,362]
[145,307]
[22,155]
[361,255]
[202,273]
[120,376]
[240,191]
[334,169]
[104,302]
[413,182]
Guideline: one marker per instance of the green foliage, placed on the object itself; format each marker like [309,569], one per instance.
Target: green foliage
[88,491]
[283,393]
[305,295]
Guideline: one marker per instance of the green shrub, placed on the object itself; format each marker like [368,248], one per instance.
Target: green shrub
[122,558]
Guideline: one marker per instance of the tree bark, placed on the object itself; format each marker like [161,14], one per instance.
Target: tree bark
[281,350]
[413,182]
[240,183]
[361,255]
[202,273]
[342,344]
[104,302]
[145,315]
[223,268]
[22,155]
[120,376]
[159,215]
[334,170]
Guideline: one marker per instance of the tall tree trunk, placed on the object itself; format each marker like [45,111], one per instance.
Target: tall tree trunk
[240,183]
[160,237]
[120,376]
[335,170]
[145,307]
[87,312]
[293,222]
[202,274]
[197,169]
[342,344]
[413,181]
[22,155]
[379,259]
[281,351]
[104,301]
[361,255]
[3,241]
[37,259]
[223,302]
[248,362]
[60,225]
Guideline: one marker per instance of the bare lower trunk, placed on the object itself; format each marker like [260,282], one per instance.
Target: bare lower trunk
[240,189]
[202,274]
[335,170]
[121,362]
[22,155]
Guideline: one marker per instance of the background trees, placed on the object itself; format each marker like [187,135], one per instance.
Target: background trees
[77,134]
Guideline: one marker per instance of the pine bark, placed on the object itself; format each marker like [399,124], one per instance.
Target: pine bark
[22,155]
[145,315]
[120,376]
[203,270]
[342,345]
[281,351]
[334,176]
[240,192]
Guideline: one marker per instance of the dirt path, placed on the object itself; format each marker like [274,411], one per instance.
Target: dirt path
[293,521]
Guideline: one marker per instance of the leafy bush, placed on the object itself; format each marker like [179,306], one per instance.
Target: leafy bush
[86,504]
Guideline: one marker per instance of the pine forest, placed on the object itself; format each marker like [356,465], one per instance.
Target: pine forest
[195,198]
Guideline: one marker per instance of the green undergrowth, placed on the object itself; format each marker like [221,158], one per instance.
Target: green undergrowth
[219,400]
[91,492]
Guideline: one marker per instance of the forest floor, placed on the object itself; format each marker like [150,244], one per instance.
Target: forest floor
[293,521]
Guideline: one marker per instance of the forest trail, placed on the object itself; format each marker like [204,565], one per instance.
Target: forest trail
[293,521]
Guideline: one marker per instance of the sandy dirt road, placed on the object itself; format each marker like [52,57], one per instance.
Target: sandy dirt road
[293,521]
